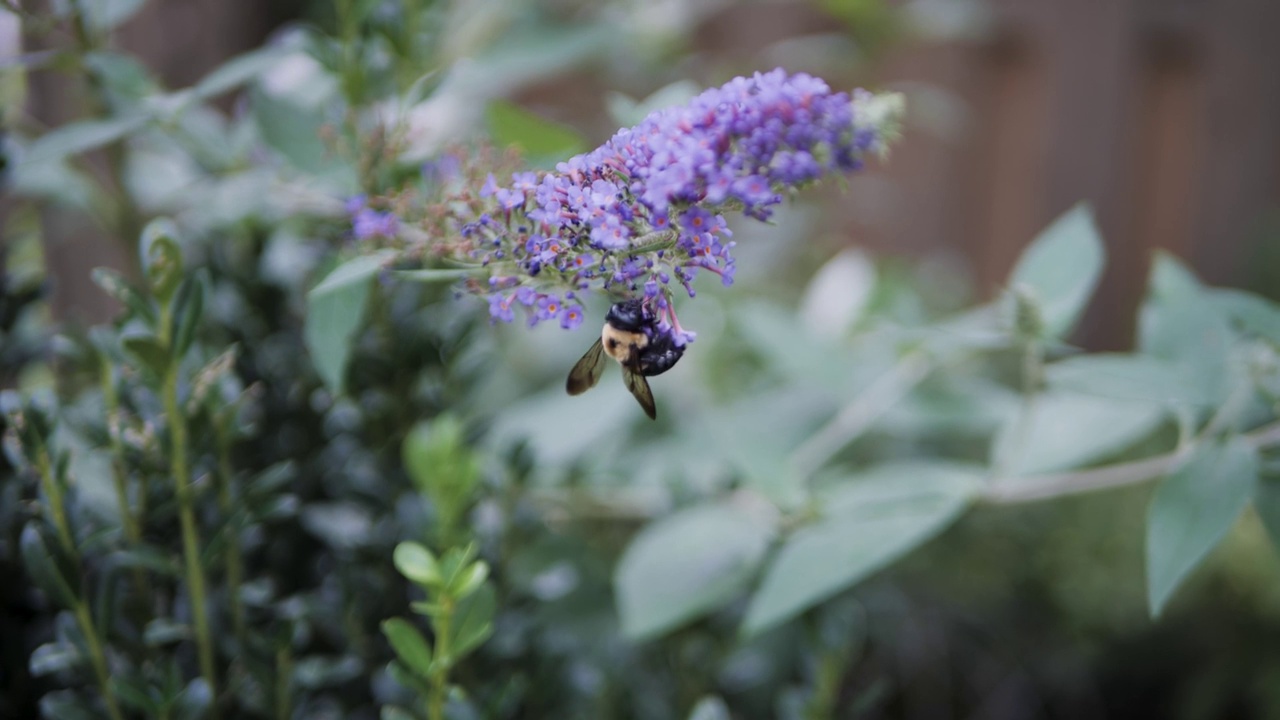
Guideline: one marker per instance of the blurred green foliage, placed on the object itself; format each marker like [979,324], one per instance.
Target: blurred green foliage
[394,511]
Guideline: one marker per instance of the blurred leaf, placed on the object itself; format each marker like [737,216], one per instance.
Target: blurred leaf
[146,557]
[342,525]
[761,451]
[147,350]
[627,112]
[439,462]
[54,657]
[80,136]
[417,563]
[114,284]
[188,308]
[1254,314]
[1061,267]
[237,71]
[410,646]
[163,631]
[102,15]
[123,74]
[1192,510]
[838,294]
[1126,377]
[317,671]
[133,692]
[67,705]
[710,708]
[162,257]
[539,139]
[432,275]
[869,521]
[1069,430]
[391,712]
[1266,501]
[334,311]
[44,568]
[1179,322]
[470,580]
[294,132]
[194,701]
[685,565]
[472,622]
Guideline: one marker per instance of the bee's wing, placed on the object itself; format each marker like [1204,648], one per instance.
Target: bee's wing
[586,373]
[640,388]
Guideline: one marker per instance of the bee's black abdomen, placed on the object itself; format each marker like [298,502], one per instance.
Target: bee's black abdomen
[660,356]
[660,353]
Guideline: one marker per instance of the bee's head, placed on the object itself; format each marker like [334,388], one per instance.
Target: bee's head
[630,315]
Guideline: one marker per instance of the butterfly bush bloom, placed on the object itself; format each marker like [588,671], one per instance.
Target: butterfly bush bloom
[646,211]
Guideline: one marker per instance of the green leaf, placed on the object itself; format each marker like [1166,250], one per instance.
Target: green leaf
[472,622]
[626,111]
[410,646]
[53,658]
[194,701]
[78,137]
[1266,501]
[316,671]
[1061,268]
[392,712]
[237,71]
[438,460]
[164,631]
[294,132]
[134,694]
[334,311]
[416,562]
[433,275]
[1192,510]
[687,564]
[470,580]
[43,567]
[1179,322]
[538,138]
[1253,314]
[710,707]
[1069,430]
[188,308]
[1127,377]
[114,284]
[162,257]
[146,557]
[870,520]
[147,350]
[102,15]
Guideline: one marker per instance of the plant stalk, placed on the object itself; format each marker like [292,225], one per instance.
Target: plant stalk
[190,534]
[234,561]
[98,658]
[440,678]
[53,491]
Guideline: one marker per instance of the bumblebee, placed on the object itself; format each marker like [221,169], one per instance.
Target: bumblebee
[632,337]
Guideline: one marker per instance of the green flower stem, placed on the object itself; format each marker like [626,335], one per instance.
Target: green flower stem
[98,658]
[858,415]
[181,472]
[234,561]
[440,677]
[284,671]
[826,692]
[1045,487]
[53,491]
[130,518]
